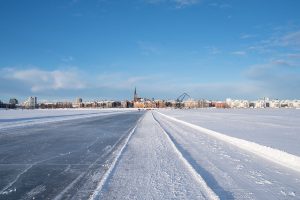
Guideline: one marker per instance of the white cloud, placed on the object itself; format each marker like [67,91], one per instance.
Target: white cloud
[247,36]
[40,80]
[281,63]
[213,50]
[278,77]
[220,5]
[177,3]
[239,53]
[292,38]
[270,69]
[183,3]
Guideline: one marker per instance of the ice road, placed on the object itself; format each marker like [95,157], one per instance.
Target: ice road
[167,158]
[60,160]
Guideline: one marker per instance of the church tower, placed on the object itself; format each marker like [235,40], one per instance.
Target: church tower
[135,96]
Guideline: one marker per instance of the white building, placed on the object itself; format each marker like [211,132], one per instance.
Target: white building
[296,103]
[30,103]
[275,104]
[237,103]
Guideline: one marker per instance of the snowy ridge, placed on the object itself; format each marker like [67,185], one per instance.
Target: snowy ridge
[274,155]
[97,191]
[209,192]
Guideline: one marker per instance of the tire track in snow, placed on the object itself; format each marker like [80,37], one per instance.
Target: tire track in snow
[274,155]
[209,193]
[107,174]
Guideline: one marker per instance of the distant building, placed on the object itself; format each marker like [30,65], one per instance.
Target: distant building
[136,98]
[13,101]
[220,104]
[78,103]
[238,103]
[79,100]
[7,105]
[190,103]
[160,104]
[138,104]
[31,103]
[2,105]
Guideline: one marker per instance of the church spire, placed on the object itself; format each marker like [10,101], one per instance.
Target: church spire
[135,97]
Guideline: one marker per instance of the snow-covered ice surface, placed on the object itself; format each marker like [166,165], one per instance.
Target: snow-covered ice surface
[276,128]
[171,154]
[168,159]
[19,117]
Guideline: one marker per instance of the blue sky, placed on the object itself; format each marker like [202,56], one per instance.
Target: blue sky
[101,49]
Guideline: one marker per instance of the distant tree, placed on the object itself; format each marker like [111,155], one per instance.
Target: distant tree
[13,101]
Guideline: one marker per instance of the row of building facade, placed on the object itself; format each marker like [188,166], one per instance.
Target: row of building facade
[32,103]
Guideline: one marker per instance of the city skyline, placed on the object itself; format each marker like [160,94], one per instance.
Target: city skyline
[103,49]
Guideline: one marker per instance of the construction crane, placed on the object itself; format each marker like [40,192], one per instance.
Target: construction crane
[180,99]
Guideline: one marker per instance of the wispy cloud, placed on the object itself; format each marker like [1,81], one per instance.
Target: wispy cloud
[277,78]
[239,53]
[184,3]
[176,3]
[288,40]
[270,69]
[149,48]
[213,50]
[67,59]
[247,36]
[71,82]
[220,5]
[293,55]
